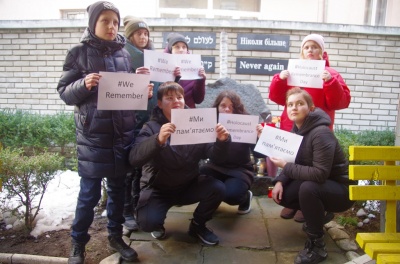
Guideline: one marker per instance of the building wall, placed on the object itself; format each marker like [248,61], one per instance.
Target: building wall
[317,11]
[32,54]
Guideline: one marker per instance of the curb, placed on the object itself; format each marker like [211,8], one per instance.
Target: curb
[10,258]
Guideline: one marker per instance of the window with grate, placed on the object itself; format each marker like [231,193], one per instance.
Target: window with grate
[73,13]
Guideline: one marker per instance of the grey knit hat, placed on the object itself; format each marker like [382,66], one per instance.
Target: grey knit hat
[131,24]
[174,38]
[95,9]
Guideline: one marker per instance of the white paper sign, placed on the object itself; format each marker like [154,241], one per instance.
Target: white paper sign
[190,65]
[194,126]
[162,65]
[278,143]
[243,128]
[306,73]
[122,91]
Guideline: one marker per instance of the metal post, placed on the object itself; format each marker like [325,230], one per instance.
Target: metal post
[223,51]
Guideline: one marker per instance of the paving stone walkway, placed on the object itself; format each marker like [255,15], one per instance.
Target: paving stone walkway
[258,237]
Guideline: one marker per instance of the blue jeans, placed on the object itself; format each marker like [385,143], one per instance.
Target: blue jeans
[236,189]
[89,196]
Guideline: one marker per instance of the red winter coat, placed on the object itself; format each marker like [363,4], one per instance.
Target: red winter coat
[334,95]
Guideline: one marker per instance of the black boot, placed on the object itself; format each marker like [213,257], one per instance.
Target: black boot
[327,218]
[77,254]
[118,244]
[314,251]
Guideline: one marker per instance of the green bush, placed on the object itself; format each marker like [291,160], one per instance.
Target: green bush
[364,138]
[376,138]
[346,138]
[27,177]
[35,132]
[26,163]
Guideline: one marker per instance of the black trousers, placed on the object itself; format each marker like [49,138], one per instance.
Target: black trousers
[314,199]
[132,191]
[154,203]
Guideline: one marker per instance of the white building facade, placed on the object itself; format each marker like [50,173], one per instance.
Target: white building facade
[355,12]
[368,57]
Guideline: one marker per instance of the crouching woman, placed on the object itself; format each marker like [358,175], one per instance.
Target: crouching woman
[317,182]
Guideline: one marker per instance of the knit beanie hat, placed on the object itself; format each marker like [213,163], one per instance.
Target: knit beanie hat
[317,39]
[95,9]
[131,24]
[174,38]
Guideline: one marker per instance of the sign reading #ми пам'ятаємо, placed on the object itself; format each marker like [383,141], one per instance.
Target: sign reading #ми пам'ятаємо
[260,66]
[196,40]
[263,42]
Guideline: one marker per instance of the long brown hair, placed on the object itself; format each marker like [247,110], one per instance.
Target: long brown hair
[238,107]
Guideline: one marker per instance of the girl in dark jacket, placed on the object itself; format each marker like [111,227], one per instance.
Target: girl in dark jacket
[317,182]
[103,137]
[170,174]
[237,171]
[137,33]
[195,90]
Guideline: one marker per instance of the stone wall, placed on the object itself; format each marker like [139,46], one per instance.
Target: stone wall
[32,54]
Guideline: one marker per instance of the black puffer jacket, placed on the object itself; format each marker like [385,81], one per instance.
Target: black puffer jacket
[169,167]
[103,137]
[320,156]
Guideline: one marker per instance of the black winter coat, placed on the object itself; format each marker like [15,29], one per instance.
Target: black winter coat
[320,156]
[137,57]
[103,137]
[170,168]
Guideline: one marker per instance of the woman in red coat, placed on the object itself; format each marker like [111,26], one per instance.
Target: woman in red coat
[334,95]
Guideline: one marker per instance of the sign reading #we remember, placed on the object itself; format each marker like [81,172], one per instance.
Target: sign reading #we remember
[122,91]
[241,127]
[306,73]
[278,143]
[194,126]
[263,42]
[162,65]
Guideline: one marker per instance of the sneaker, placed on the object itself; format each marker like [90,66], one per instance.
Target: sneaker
[77,254]
[202,232]
[131,224]
[288,213]
[127,253]
[158,234]
[245,207]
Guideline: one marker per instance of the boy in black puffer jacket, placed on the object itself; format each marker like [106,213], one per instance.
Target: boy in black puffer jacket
[103,136]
